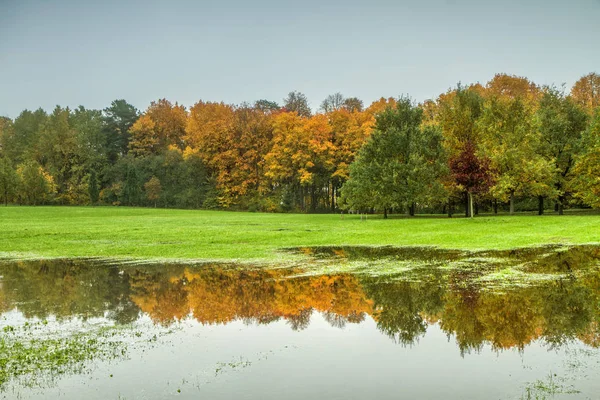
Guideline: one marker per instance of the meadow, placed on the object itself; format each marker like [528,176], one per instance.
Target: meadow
[160,234]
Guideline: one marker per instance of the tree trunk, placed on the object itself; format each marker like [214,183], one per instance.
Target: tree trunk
[560,205]
[512,203]
[449,210]
[385,213]
[540,205]
[332,198]
[467,205]
[411,209]
[476,208]
[495,206]
[470,196]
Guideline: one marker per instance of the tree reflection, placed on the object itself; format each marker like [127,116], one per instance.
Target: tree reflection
[557,311]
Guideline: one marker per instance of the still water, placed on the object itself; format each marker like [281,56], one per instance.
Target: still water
[381,323]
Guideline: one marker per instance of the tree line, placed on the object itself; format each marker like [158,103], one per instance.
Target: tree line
[508,144]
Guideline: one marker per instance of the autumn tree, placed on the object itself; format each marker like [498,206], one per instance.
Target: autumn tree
[300,158]
[210,134]
[162,125]
[153,189]
[233,142]
[586,92]
[400,164]
[512,87]
[350,131]
[380,105]
[298,103]
[471,173]
[252,140]
[143,137]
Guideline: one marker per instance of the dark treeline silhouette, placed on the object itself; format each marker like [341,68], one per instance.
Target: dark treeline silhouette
[506,144]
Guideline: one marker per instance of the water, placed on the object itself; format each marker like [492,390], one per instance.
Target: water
[382,323]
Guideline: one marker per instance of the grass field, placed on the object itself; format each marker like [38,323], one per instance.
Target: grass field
[31,232]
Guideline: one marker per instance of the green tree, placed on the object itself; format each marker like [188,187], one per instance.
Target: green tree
[6,133]
[20,139]
[89,154]
[511,139]
[562,123]
[88,126]
[587,168]
[132,182]
[37,186]
[60,153]
[118,119]
[8,180]
[93,190]
[267,106]
[400,165]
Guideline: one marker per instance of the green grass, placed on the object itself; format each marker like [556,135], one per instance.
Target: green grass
[217,235]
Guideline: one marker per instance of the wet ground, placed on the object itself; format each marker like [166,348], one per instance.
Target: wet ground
[345,323]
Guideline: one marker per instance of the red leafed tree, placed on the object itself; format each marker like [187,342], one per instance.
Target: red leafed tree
[471,172]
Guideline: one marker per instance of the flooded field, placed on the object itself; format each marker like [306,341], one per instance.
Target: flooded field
[345,323]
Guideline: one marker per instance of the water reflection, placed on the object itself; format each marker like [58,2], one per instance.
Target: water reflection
[557,311]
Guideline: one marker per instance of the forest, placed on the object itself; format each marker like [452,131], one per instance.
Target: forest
[508,144]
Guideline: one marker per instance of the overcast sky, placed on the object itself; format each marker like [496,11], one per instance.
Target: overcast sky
[92,52]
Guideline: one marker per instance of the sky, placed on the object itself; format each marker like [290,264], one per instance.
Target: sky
[86,52]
